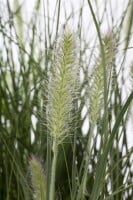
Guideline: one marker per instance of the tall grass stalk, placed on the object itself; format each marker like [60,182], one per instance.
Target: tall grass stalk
[62,91]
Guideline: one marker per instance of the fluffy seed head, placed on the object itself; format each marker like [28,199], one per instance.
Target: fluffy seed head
[62,88]
[37,179]
[96,89]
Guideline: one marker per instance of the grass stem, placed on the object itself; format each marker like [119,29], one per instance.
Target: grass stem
[53,171]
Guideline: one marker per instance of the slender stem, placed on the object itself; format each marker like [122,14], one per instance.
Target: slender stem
[49,146]
[82,191]
[53,171]
[87,160]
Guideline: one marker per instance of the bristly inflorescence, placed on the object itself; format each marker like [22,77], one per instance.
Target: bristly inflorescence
[62,88]
[96,88]
[37,179]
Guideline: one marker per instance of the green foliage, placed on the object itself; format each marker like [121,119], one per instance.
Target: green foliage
[51,84]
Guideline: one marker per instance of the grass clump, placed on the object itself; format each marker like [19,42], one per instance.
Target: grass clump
[52,88]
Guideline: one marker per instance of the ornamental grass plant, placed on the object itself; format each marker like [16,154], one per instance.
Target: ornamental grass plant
[66,101]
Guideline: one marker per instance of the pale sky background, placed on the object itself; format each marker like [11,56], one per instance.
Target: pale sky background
[117,7]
